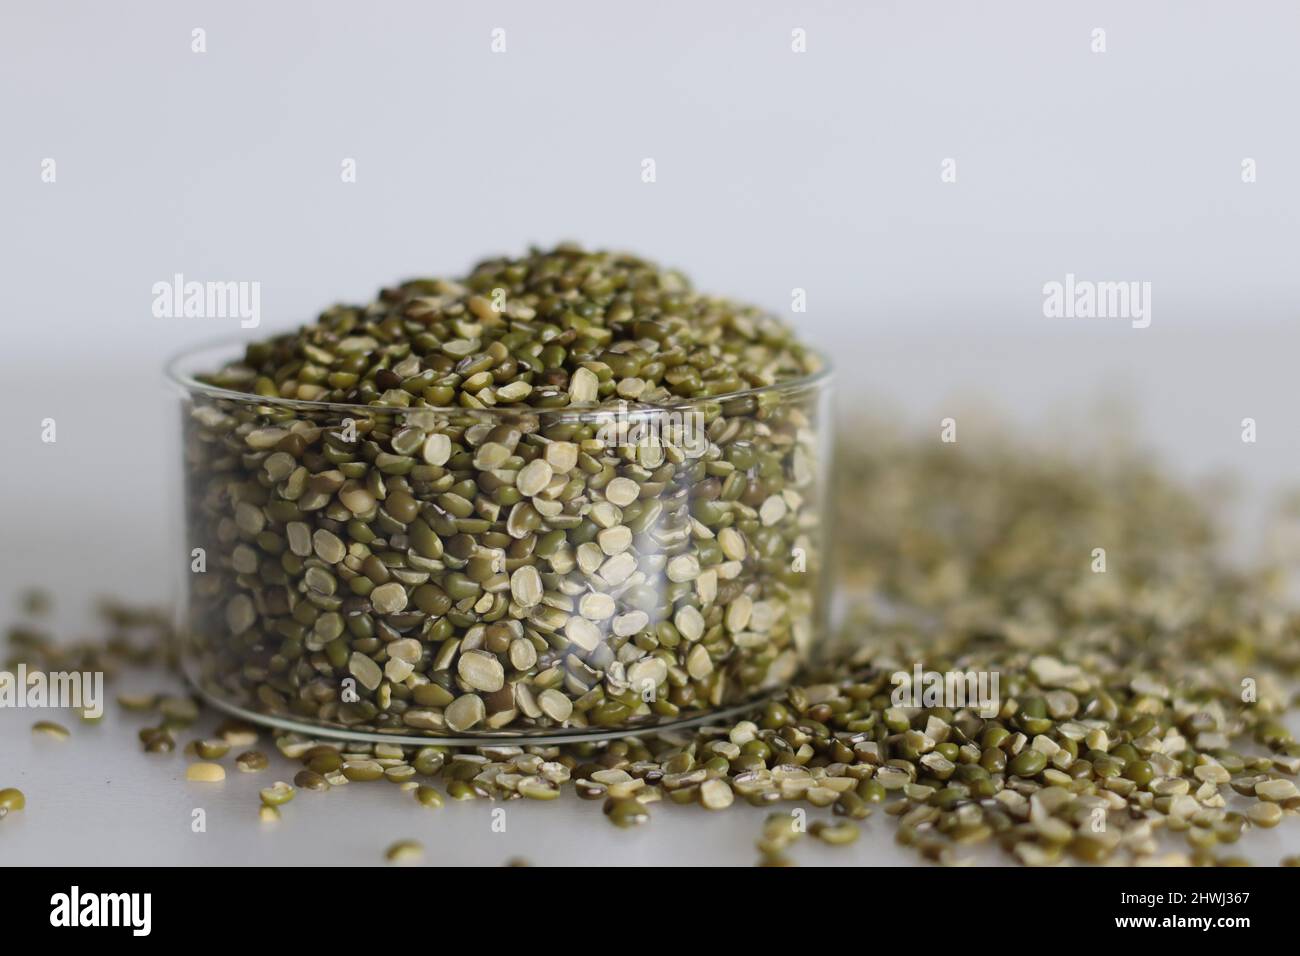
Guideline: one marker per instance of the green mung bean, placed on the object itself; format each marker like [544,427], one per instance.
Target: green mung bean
[404,851]
[362,770]
[1266,815]
[205,772]
[181,710]
[839,834]
[277,794]
[310,780]
[1140,730]
[251,761]
[211,749]
[157,740]
[576,540]
[429,797]
[237,734]
[626,812]
[50,729]
[138,703]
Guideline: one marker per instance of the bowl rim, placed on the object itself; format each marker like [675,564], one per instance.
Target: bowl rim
[183,380]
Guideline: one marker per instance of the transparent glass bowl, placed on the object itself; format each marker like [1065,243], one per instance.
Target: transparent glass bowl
[468,575]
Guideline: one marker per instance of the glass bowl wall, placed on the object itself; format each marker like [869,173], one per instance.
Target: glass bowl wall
[470,574]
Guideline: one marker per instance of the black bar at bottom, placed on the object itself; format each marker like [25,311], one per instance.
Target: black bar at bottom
[145,905]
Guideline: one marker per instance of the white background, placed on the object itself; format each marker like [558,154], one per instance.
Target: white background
[775,170]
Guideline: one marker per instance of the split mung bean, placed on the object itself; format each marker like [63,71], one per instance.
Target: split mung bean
[211,749]
[251,761]
[205,772]
[49,728]
[1106,712]
[439,513]
[277,794]
[405,851]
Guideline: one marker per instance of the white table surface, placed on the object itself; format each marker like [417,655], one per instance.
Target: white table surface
[97,798]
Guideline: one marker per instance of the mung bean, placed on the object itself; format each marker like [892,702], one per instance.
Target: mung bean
[420,519]
[50,729]
[205,772]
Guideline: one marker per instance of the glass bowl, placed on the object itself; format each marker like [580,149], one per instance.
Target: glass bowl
[462,575]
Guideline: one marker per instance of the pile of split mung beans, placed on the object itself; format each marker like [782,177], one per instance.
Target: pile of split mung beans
[564,492]
[1142,714]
